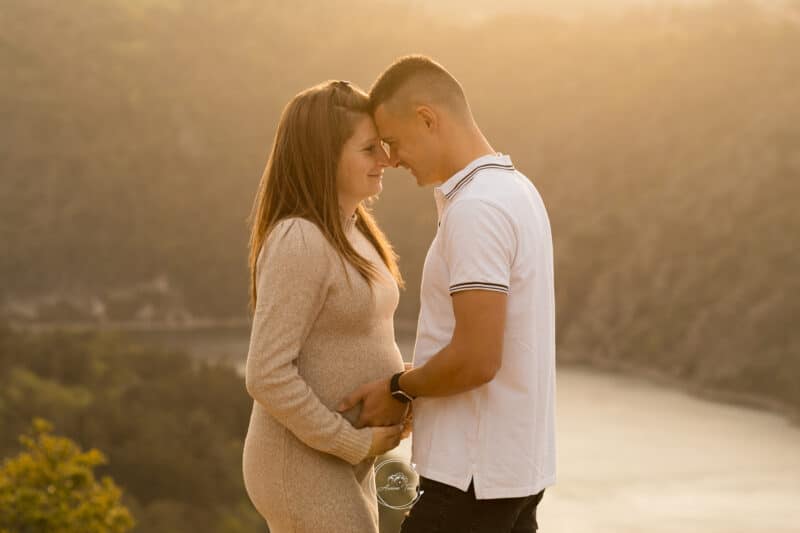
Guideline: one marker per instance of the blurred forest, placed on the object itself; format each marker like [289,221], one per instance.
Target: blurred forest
[171,427]
[664,140]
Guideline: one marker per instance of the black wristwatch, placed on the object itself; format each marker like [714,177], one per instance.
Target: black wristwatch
[398,393]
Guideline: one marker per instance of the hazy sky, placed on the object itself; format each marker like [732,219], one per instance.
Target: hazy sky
[474,10]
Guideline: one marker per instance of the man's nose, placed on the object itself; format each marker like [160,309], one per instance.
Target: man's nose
[383,159]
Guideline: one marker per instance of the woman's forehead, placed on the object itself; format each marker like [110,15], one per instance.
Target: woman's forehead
[365,130]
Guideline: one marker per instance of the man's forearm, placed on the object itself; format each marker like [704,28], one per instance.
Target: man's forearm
[445,374]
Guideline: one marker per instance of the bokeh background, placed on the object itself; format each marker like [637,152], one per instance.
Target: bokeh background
[664,137]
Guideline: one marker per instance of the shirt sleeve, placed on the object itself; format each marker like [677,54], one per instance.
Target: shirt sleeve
[293,276]
[479,246]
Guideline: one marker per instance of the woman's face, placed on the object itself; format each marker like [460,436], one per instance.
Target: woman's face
[360,171]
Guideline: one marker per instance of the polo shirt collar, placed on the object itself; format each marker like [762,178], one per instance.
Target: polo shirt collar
[447,190]
[460,179]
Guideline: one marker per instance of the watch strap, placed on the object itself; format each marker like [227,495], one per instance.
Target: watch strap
[396,391]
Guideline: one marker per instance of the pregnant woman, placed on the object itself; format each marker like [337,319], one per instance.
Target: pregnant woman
[324,288]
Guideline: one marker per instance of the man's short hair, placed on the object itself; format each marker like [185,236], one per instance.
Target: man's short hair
[415,79]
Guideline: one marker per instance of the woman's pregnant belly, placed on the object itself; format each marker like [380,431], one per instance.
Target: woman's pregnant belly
[334,376]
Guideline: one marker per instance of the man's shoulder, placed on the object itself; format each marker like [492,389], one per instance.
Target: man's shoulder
[492,190]
[511,191]
[480,215]
[498,182]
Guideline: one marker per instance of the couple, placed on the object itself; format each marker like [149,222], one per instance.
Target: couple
[330,388]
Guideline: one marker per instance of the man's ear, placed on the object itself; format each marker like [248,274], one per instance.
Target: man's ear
[428,117]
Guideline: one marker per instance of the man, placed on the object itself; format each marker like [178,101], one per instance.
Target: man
[483,376]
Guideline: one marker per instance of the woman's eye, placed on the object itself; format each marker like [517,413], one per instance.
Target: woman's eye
[369,148]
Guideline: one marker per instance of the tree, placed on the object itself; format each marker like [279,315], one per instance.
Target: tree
[51,487]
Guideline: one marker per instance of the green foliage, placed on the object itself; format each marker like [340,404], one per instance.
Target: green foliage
[51,487]
[172,428]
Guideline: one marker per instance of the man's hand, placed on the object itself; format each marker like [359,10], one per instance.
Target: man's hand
[379,408]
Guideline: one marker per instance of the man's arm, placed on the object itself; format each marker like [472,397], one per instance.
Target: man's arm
[474,354]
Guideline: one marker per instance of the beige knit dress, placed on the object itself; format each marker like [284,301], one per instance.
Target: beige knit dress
[315,338]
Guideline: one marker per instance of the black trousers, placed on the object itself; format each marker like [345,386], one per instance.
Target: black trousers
[446,509]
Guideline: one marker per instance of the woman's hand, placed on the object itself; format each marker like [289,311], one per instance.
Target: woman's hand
[385,438]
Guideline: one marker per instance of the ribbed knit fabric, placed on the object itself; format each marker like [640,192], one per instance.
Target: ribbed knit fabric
[315,338]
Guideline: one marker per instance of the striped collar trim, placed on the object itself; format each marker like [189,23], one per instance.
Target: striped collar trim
[461,178]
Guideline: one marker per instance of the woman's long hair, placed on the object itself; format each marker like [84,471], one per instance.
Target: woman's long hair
[300,176]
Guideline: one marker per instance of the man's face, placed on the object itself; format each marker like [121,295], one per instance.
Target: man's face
[409,143]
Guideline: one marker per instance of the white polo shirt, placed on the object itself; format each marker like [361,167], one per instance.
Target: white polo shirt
[494,234]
